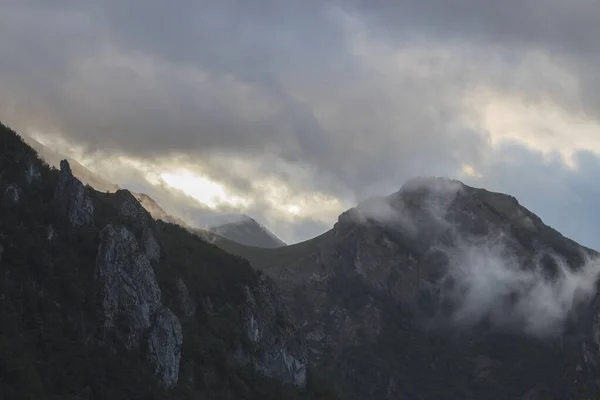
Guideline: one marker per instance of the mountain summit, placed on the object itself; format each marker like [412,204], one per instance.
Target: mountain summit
[245,230]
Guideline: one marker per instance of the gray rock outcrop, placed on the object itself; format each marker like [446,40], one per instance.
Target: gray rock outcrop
[73,204]
[130,207]
[13,193]
[164,346]
[31,172]
[150,246]
[140,220]
[130,302]
[186,302]
[278,349]
[127,283]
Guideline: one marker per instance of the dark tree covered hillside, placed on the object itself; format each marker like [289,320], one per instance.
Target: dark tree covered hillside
[53,344]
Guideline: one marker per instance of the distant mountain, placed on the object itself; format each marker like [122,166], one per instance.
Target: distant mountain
[443,291]
[245,230]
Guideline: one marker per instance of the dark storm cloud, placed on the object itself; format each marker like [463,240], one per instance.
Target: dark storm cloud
[348,98]
[554,24]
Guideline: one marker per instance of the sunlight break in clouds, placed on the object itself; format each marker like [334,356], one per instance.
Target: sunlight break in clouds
[545,127]
[207,192]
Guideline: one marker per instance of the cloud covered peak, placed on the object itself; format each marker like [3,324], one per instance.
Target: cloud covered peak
[497,263]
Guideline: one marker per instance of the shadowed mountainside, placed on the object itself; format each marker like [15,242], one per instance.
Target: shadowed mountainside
[100,301]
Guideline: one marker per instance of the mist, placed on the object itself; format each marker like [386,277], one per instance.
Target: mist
[491,284]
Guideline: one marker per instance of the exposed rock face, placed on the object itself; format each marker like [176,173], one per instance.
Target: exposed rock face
[31,172]
[185,300]
[131,208]
[164,346]
[140,220]
[50,233]
[130,302]
[150,246]
[278,348]
[74,205]
[127,283]
[13,193]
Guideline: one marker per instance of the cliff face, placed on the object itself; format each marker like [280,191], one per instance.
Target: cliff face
[277,348]
[130,294]
[442,291]
[74,205]
[101,301]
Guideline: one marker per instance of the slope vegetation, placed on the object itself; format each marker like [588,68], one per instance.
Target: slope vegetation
[99,301]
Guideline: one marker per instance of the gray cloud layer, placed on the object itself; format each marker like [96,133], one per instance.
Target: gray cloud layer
[335,99]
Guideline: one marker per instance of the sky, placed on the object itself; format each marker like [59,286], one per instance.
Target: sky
[293,111]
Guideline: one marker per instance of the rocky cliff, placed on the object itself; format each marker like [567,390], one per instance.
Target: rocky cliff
[101,301]
[73,204]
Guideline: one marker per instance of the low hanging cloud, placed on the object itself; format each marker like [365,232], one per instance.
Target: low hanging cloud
[492,284]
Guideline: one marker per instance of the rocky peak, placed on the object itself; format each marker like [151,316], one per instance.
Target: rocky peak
[131,208]
[66,167]
[73,203]
[138,218]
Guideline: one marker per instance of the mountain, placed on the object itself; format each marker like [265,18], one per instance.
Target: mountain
[100,301]
[238,228]
[443,291]
[245,230]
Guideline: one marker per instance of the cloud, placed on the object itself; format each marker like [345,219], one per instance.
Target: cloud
[492,284]
[308,106]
